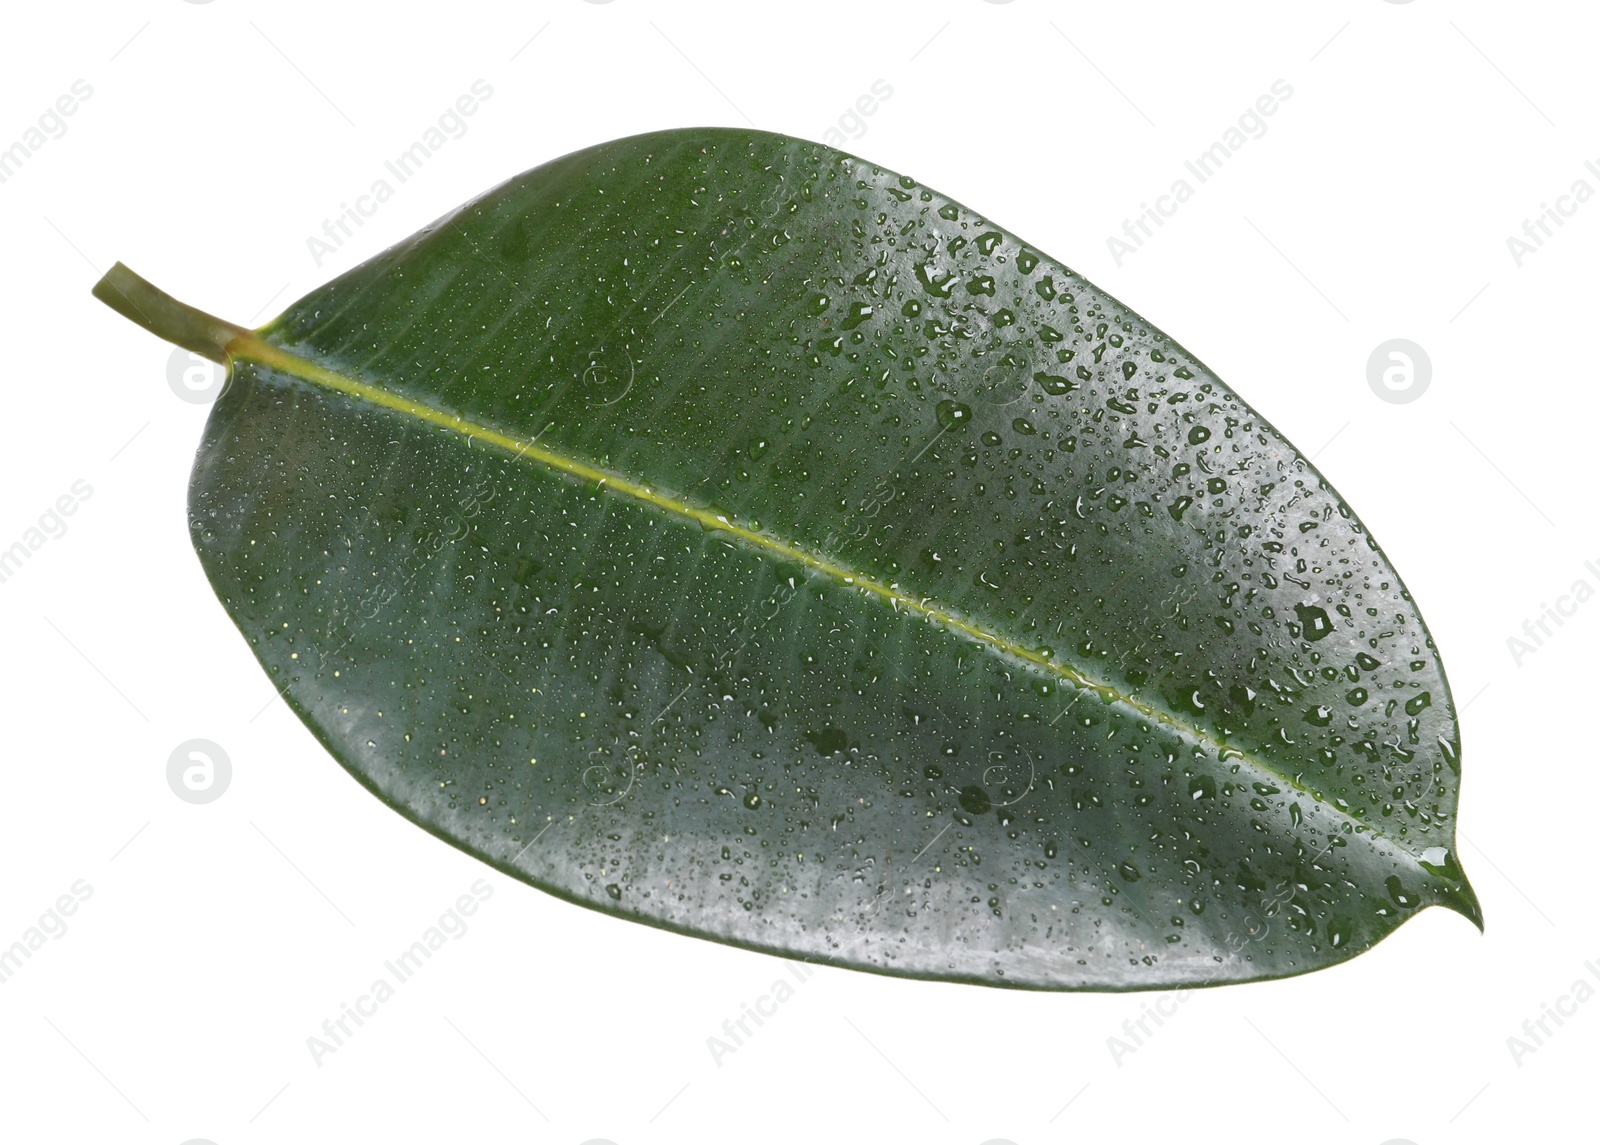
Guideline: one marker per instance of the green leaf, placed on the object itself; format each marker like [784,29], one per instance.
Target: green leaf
[720,531]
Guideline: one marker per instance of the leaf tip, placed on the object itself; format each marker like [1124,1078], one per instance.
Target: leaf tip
[1461,898]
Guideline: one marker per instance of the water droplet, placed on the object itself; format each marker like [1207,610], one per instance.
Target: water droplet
[828,741]
[938,287]
[855,315]
[975,800]
[1439,861]
[1314,620]
[1398,893]
[952,413]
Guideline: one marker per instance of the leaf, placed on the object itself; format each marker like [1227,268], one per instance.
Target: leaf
[723,532]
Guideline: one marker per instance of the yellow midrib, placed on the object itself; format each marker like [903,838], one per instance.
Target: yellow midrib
[251,347]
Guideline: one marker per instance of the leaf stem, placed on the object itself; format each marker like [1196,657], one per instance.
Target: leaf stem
[164,316]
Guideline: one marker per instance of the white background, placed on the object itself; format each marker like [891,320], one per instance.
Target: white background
[219,137]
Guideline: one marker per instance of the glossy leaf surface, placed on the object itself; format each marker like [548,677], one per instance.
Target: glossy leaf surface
[723,532]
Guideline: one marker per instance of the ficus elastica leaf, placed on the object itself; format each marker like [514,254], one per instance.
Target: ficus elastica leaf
[723,532]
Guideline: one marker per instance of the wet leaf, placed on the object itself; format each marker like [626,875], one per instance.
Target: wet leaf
[725,533]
